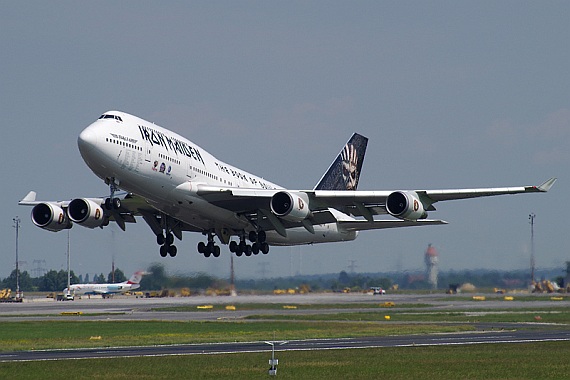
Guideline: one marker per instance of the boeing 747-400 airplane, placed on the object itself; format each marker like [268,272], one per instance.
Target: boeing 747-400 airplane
[176,186]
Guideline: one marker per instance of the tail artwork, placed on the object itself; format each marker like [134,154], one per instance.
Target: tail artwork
[136,278]
[344,172]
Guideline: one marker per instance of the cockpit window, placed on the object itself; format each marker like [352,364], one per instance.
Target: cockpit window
[109,116]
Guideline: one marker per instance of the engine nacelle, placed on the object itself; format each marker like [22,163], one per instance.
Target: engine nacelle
[86,213]
[405,205]
[50,216]
[290,206]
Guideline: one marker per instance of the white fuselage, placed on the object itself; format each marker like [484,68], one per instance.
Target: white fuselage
[157,164]
[82,289]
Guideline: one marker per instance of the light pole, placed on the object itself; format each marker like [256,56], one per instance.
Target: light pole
[17,226]
[532,263]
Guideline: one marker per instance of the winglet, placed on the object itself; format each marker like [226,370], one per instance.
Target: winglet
[30,198]
[546,185]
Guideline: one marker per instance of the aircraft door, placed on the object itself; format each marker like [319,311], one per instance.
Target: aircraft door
[147,151]
[189,171]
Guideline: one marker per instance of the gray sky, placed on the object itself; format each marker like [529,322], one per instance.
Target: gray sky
[450,94]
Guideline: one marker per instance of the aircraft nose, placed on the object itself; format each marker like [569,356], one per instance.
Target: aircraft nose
[87,140]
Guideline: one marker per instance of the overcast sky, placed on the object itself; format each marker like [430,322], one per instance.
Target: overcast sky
[451,95]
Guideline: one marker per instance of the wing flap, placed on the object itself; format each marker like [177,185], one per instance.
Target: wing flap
[236,199]
[363,225]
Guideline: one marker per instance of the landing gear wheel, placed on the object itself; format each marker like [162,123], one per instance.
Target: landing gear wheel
[264,248]
[163,250]
[170,238]
[160,239]
[210,249]
[252,236]
[172,250]
[201,247]
[233,246]
[261,237]
[116,203]
[255,248]
[108,204]
[248,250]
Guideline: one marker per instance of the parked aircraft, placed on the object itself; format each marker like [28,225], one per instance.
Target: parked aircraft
[105,289]
[176,186]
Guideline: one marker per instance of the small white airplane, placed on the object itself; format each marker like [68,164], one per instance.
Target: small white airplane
[105,289]
[176,186]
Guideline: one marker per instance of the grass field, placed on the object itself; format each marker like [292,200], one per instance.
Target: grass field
[558,315]
[281,306]
[481,361]
[484,361]
[72,334]
[403,313]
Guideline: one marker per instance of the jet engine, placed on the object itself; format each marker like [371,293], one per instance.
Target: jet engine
[50,216]
[86,213]
[405,205]
[290,206]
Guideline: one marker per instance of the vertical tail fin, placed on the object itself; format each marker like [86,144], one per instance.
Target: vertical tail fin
[344,172]
[136,278]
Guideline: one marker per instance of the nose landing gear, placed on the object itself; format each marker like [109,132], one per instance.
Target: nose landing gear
[112,203]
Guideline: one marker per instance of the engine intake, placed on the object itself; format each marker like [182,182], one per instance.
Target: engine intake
[405,205]
[86,213]
[290,206]
[50,217]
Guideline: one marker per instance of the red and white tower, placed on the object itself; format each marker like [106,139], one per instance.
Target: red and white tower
[431,259]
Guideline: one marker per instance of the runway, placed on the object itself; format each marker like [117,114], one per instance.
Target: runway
[129,308]
[515,336]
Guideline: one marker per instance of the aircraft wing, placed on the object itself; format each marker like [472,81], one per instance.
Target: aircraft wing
[314,207]
[255,204]
[131,206]
[366,203]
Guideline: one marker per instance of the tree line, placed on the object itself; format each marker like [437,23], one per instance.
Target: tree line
[53,281]
[156,278]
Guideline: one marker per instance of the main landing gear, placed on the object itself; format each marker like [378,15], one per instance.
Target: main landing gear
[210,248]
[257,238]
[166,244]
[259,244]
[166,229]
